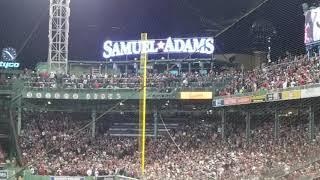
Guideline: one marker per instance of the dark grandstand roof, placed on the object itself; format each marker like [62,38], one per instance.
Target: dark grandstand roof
[96,20]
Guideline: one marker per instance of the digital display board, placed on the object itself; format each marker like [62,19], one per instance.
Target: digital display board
[312,26]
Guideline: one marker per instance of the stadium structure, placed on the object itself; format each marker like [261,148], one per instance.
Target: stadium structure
[90,110]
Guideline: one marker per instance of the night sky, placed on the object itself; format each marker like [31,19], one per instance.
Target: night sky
[94,21]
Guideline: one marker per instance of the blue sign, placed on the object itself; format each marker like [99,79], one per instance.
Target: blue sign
[5,64]
[8,58]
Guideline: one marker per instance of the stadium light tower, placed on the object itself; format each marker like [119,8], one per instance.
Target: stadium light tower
[59,14]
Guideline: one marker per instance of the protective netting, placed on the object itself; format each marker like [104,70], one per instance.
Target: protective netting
[189,145]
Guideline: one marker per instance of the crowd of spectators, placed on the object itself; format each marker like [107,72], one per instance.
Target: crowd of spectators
[297,71]
[98,81]
[155,80]
[53,145]
[286,73]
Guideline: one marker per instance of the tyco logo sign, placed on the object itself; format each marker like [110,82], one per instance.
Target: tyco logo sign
[4,64]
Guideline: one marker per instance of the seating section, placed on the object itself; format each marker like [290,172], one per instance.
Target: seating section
[289,72]
[191,149]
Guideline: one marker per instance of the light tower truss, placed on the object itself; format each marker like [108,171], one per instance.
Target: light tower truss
[59,14]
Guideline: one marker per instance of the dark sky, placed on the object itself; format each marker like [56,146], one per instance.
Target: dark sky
[92,22]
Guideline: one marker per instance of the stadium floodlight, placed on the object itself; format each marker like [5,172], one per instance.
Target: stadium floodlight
[58,35]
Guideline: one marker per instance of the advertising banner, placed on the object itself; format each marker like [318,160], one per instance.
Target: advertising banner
[217,103]
[196,95]
[100,94]
[311,92]
[75,96]
[3,175]
[258,99]
[230,101]
[287,95]
[274,96]
[65,178]
[202,45]
[237,100]
[244,100]
[8,58]
[105,178]
[118,177]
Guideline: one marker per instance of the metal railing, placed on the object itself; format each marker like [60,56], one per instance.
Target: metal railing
[6,87]
[257,93]
[122,84]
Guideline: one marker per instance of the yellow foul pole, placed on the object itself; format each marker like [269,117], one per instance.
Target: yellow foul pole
[143,100]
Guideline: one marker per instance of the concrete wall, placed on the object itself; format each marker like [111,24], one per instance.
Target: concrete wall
[249,61]
[80,69]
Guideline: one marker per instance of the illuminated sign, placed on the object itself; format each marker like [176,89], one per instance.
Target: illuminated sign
[8,57]
[237,100]
[295,94]
[218,103]
[274,96]
[65,178]
[196,95]
[258,98]
[204,45]
[4,64]
[312,29]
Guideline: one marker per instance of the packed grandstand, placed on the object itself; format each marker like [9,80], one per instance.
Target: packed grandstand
[286,73]
[52,144]
[196,150]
